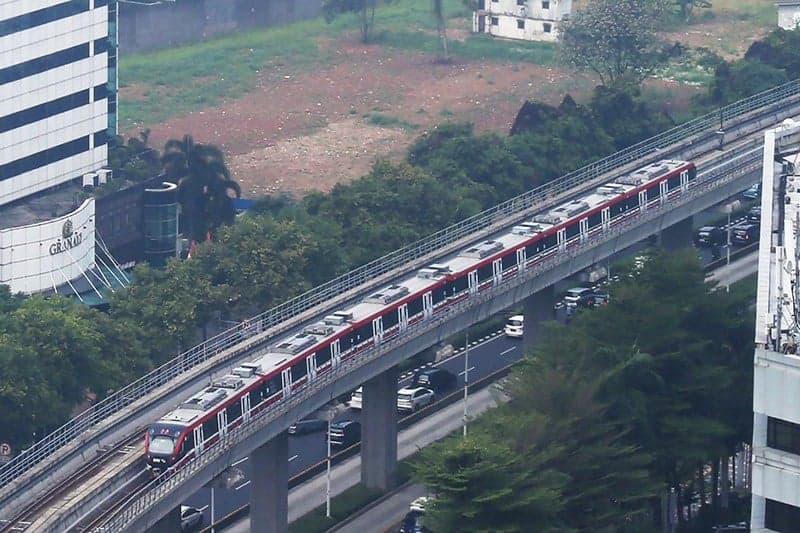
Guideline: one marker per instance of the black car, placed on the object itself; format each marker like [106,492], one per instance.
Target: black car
[304,427]
[345,433]
[436,379]
[744,235]
[754,215]
[710,236]
[412,523]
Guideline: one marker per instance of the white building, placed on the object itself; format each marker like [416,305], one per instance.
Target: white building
[788,15]
[529,20]
[57,101]
[776,386]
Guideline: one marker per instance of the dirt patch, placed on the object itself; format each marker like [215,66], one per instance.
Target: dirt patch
[729,38]
[308,131]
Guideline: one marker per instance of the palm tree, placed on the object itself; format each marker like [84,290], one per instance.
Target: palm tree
[203,182]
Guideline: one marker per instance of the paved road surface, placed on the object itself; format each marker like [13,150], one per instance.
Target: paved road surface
[736,271]
[310,495]
[387,514]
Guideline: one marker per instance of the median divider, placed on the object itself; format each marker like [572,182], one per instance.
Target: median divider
[345,454]
[735,255]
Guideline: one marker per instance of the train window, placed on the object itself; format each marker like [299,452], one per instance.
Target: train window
[674,182]
[595,219]
[438,295]
[188,443]
[363,333]
[210,427]
[510,260]
[692,173]
[299,370]
[234,411]
[573,229]
[457,285]
[323,355]
[272,386]
[485,272]
[415,305]
[652,193]
[390,319]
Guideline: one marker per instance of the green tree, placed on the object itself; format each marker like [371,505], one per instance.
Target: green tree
[480,485]
[779,49]
[204,186]
[365,9]
[740,79]
[687,7]
[616,39]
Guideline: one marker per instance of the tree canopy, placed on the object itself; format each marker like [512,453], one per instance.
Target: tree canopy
[616,39]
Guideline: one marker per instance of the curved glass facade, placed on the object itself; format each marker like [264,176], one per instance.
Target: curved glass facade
[160,224]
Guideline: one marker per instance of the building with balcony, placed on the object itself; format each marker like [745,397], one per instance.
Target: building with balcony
[528,20]
[776,385]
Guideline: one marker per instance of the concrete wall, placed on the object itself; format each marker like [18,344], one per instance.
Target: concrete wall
[143,28]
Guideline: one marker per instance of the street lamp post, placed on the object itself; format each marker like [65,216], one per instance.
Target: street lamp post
[329,415]
[466,379]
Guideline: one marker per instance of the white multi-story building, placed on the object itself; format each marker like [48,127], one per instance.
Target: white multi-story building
[529,20]
[57,112]
[776,386]
[788,14]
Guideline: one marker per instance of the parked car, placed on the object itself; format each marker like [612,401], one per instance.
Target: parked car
[191,518]
[514,326]
[752,193]
[578,296]
[304,427]
[414,398]
[754,215]
[436,379]
[345,433]
[710,236]
[744,235]
[600,298]
[356,399]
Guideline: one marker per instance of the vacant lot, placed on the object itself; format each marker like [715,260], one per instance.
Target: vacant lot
[306,106]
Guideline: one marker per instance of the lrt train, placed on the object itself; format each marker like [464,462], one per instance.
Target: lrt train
[297,358]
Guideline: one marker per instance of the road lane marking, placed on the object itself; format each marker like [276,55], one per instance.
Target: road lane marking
[240,461]
[470,369]
[509,350]
[243,485]
[295,456]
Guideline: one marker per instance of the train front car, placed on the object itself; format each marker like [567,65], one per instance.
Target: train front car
[161,446]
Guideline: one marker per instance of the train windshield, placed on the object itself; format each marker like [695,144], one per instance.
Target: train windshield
[162,445]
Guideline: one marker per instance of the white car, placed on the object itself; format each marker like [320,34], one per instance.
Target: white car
[414,398]
[355,399]
[514,326]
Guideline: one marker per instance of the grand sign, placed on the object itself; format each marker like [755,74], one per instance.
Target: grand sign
[69,239]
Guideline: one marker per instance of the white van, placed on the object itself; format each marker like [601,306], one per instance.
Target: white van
[355,399]
[514,326]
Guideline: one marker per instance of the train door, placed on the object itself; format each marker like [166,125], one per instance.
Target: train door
[605,218]
[684,180]
[497,271]
[472,278]
[311,366]
[336,354]
[584,229]
[377,330]
[642,201]
[427,304]
[222,421]
[245,408]
[402,317]
[198,440]
[286,382]
[562,239]
[662,191]
[520,259]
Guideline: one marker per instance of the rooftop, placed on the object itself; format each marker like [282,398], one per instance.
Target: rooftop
[42,206]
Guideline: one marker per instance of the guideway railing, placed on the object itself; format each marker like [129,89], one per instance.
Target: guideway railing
[126,396]
[152,494]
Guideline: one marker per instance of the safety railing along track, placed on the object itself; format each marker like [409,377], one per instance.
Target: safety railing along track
[274,317]
[153,493]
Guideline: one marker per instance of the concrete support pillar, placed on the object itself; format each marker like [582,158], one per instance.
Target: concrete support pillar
[678,235]
[169,523]
[269,493]
[379,431]
[538,308]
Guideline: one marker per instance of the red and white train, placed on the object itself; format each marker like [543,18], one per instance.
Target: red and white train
[298,358]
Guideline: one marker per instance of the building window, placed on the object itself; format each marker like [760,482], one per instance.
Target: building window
[545,4]
[548,27]
[783,435]
[522,2]
[781,517]
[495,21]
[520,24]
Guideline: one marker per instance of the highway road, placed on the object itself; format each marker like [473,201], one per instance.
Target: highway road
[485,357]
